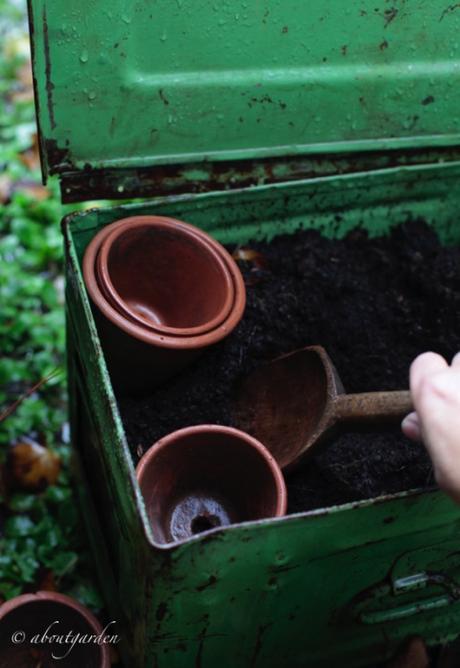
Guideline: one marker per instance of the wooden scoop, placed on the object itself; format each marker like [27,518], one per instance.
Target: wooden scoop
[295,402]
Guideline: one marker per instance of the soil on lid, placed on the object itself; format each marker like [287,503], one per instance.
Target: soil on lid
[374,304]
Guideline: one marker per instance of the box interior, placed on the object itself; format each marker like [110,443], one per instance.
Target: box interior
[261,214]
[269,566]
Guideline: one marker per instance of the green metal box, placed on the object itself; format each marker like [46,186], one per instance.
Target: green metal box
[270,116]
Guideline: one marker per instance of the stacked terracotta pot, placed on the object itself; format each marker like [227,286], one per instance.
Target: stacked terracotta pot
[163,291]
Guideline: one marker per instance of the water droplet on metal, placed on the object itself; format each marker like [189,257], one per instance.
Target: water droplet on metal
[92,95]
[84,56]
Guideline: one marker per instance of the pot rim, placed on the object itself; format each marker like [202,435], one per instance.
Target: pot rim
[150,336]
[155,222]
[54,597]
[275,470]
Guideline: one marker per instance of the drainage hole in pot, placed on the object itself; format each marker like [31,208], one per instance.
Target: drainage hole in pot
[202,523]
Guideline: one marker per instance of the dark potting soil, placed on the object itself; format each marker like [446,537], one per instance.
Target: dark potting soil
[374,304]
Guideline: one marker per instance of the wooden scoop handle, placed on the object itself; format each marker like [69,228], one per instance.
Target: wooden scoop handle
[373,406]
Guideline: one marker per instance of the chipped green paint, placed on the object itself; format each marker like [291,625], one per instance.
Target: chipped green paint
[328,588]
[135,85]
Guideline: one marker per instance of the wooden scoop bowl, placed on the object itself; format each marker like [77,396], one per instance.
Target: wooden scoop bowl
[296,402]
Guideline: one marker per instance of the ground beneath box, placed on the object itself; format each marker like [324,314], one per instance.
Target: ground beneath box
[374,304]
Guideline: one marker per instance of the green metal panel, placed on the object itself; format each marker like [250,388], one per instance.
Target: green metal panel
[132,85]
[326,588]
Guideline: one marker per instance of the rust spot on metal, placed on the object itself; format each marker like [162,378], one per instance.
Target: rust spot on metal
[201,637]
[258,645]
[212,581]
[428,100]
[49,84]
[449,10]
[163,97]
[283,569]
[344,49]
[383,45]
[88,183]
[57,157]
[390,15]
[285,29]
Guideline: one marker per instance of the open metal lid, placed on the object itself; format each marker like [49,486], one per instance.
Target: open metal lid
[178,92]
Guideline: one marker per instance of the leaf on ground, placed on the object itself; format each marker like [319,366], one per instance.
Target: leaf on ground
[36,191]
[31,157]
[31,466]
[25,92]
[250,255]
[32,189]
[6,188]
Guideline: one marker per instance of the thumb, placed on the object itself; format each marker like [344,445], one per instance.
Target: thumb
[411,427]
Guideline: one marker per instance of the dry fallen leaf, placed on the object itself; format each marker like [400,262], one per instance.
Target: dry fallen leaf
[31,466]
[35,190]
[25,75]
[6,188]
[250,255]
[25,91]
[31,157]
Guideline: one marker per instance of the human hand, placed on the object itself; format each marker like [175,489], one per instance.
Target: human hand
[435,388]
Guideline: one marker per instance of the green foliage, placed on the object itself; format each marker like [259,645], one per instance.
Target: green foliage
[41,532]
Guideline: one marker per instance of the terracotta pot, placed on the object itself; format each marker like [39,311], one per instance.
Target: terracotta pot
[166,275]
[208,476]
[26,620]
[164,292]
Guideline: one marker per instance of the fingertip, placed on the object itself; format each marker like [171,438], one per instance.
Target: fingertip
[411,427]
[424,366]
[456,360]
